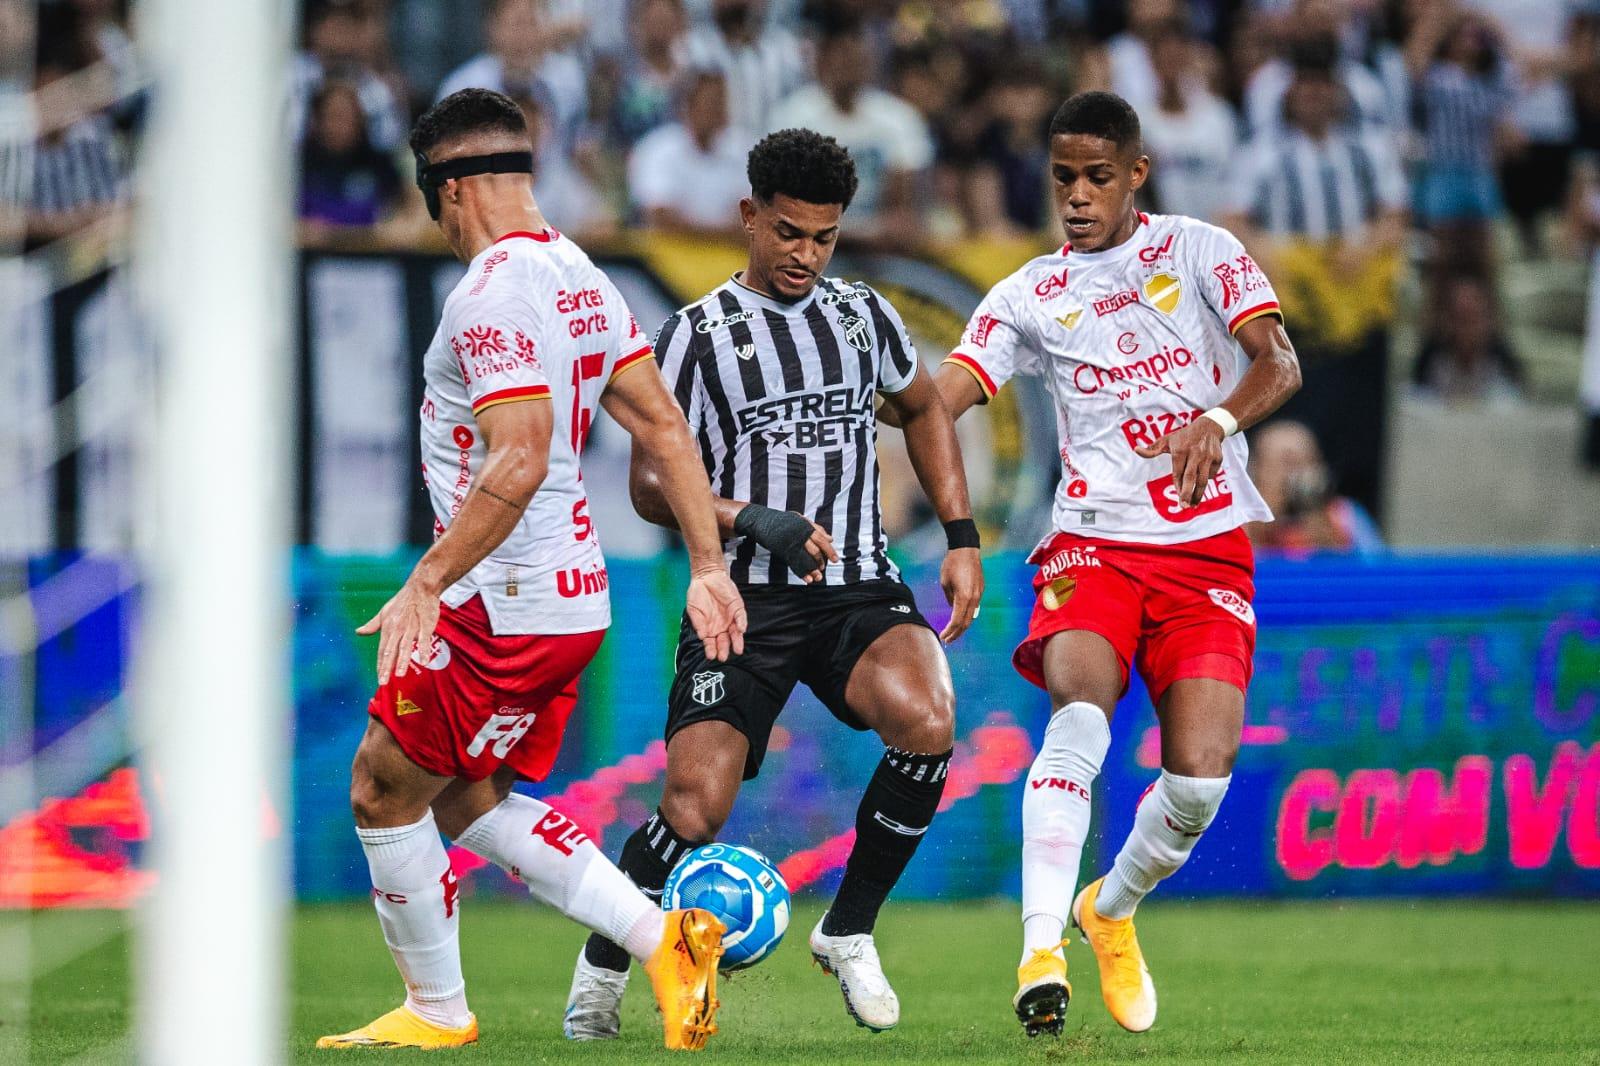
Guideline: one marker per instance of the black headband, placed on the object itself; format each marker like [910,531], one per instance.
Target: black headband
[432,175]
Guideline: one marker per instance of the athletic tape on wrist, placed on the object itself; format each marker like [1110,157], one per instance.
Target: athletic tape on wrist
[1223,418]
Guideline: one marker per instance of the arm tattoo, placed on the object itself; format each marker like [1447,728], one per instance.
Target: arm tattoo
[496,496]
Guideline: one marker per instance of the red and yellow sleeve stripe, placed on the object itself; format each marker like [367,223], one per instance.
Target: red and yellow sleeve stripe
[524,392]
[970,365]
[628,362]
[1253,313]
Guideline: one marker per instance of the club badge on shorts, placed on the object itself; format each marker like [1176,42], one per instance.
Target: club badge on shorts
[1058,592]
[708,687]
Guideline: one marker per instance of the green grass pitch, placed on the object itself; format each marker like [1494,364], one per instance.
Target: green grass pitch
[1430,981]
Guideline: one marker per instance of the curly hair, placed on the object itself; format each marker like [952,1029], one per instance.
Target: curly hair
[803,164]
[1099,114]
[465,112]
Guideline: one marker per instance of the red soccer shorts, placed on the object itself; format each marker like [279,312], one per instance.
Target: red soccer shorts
[1176,610]
[477,701]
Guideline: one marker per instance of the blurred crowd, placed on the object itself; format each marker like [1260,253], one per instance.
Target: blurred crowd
[1351,143]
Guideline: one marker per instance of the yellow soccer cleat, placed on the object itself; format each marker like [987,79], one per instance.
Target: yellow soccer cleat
[401,1028]
[1043,992]
[683,972]
[1125,982]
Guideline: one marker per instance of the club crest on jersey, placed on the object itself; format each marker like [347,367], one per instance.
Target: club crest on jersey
[1164,291]
[744,351]
[708,687]
[855,332]
[1069,321]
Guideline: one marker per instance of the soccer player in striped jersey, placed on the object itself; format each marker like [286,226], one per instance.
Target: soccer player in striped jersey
[777,370]
[1158,338]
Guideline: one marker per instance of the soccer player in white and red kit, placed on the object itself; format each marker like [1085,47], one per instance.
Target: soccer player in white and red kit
[1158,338]
[480,651]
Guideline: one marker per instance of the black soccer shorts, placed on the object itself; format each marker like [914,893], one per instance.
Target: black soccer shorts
[806,633]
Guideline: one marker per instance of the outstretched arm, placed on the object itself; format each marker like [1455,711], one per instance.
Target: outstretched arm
[641,404]
[1272,377]
[936,457]
[517,436]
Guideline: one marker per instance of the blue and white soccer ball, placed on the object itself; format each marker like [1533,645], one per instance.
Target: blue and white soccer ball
[743,889]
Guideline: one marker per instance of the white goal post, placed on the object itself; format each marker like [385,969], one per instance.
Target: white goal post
[213,252]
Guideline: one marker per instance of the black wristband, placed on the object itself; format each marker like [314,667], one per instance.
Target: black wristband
[961,533]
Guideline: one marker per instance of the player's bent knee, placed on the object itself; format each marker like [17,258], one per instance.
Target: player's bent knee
[370,802]
[692,823]
[694,813]
[935,728]
[1104,696]
[1209,761]
[377,801]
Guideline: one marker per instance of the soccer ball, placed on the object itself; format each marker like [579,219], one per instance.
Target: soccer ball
[743,889]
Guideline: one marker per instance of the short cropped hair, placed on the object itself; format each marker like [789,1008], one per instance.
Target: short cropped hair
[467,112]
[803,164]
[1099,114]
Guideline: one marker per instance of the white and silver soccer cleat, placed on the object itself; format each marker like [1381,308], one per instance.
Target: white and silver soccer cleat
[594,1005]
[854,961]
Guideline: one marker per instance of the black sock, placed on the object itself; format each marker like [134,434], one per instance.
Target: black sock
[894,814]
[647,858]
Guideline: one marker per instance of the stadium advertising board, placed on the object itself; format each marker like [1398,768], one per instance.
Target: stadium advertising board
[1415,726]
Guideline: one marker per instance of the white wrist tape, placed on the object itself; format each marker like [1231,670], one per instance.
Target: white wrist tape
[1221,417]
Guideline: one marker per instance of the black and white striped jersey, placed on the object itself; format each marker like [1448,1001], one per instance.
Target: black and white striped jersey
[1290,184]
[780,398]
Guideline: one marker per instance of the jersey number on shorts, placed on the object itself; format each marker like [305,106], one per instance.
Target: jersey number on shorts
[503,731]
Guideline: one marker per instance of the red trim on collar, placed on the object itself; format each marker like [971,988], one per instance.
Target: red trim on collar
[543,238]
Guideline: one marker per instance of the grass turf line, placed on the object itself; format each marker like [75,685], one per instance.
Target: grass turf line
[1359,982]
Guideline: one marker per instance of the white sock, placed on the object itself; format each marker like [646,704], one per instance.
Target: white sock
[414,891]
[1169,823]
[545,850]
[1055,820]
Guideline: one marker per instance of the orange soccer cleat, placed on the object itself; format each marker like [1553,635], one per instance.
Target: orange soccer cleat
[1125,982]
[683,972]
[1043,991]
[401,1028]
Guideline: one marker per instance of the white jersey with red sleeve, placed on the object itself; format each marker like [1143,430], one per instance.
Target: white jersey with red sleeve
[532,320]
[1133,343]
